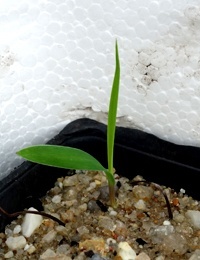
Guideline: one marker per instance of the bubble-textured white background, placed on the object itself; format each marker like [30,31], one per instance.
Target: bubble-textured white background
[57,64]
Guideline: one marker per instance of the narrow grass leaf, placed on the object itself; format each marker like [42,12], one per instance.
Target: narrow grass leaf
[112,114]
[61,156]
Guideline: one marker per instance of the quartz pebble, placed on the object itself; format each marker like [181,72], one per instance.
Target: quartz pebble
[195,255]
[170,241]
[182,191]
[194,217]
[142,256]
[50,236]
[162,230]
[17,229]
[9,254]
[174,243]
[61,230]
[30,249]
[142,192]
[140,204]
[166,223]
[83,230]
[8,232]
[30,223]
[83,207]
[160,257]
[48,254]
[113,213]
[107,223]
[70,181]
[92,186]
[14,243]
[125,251]
[56,199]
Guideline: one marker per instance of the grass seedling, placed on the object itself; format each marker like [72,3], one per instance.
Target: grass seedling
[76,159]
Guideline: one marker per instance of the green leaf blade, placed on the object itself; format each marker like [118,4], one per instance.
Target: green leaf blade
[112,114]
[61,156]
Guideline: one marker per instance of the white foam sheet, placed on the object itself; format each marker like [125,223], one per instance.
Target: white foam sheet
[57,64]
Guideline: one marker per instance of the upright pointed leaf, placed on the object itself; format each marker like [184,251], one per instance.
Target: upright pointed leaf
[112,114]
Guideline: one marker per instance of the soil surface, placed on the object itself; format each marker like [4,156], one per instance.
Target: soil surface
[139,228]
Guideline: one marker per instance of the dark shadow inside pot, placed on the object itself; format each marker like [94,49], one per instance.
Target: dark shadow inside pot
[136,153]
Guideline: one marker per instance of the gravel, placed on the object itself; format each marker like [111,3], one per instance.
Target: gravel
[139,228]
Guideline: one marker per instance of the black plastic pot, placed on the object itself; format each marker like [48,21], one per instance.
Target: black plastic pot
[136,153]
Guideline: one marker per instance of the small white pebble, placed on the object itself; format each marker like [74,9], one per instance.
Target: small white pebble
[14,243]
[113,213]
[49,253]
[160,231]
[60,184]
[82,230]
[140,204]
[195,203]
[125,251]
[9,254]
[56,199]
[17,229]
[160,257]
[30,223]
[195,255]
[26,247]
[142,256]
[31,249]
[49,237]
[179,218]
[8,232]
[70,181]
[194,217]
[83,207]
[92,186]
[166,223]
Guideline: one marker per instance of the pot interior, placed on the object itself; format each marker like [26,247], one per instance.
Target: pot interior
[136,153]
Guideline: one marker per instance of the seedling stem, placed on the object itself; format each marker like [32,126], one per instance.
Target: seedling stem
[71,158]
